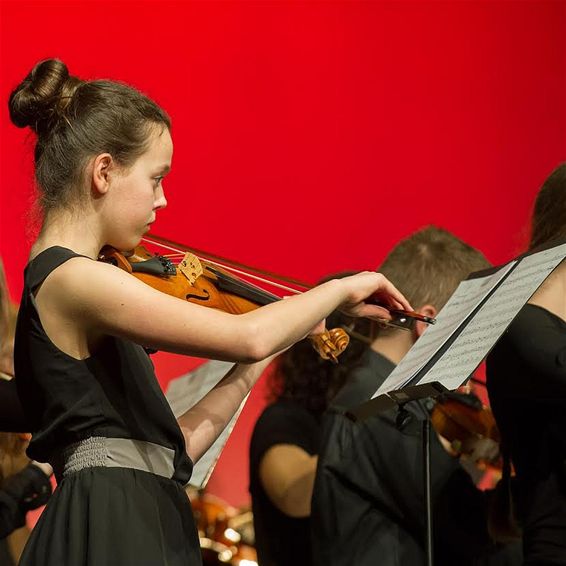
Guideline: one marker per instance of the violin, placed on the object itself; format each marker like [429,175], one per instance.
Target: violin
[470,428]
[209,284]
[222,532]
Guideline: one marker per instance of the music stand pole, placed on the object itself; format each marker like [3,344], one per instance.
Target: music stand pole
[428,491]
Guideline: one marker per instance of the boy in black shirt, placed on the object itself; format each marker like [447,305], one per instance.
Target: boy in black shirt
[368,504]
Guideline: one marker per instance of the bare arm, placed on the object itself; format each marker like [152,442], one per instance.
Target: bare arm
[287,474]
[202,424]
[104,300]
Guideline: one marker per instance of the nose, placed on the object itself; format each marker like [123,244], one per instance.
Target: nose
[160,200]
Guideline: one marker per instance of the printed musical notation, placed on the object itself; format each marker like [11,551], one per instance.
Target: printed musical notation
[471,322]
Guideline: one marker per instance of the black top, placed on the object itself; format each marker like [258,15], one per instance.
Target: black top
[364,381]
[12,418]
[368,503]
[114,393]
[28,489]
[526,378]
[280,540]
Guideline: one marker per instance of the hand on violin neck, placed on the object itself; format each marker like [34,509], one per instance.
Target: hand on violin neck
[369,287]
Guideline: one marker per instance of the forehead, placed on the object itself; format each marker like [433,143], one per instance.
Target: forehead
[160,145]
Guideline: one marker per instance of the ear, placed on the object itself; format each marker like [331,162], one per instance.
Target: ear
[101,167]
[426,310]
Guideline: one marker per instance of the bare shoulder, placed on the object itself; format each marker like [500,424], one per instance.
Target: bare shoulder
[100,291]
[285,458]
[81,281]
[552,293]
[94,294]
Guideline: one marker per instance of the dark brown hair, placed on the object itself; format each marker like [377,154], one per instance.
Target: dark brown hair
[428,265]
[75,120]
[549,214]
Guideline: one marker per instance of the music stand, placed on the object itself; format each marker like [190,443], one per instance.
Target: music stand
[447,354]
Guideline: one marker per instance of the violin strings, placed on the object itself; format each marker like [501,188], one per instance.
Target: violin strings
[157,240]
[255,277]
[180,254]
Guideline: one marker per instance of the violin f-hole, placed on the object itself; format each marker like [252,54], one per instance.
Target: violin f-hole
[190,296]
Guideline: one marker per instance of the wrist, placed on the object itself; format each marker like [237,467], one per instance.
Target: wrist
[253,371]
[340,288]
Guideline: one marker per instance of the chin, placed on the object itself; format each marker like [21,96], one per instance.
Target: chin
[125,244]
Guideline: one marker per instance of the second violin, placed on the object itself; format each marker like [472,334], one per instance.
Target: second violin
[469,427]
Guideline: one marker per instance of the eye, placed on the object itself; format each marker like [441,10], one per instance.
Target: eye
[157,180]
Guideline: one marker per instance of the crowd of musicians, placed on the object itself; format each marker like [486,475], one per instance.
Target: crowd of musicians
[326,490]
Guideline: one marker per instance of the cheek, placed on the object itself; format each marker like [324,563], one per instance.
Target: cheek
[138,193]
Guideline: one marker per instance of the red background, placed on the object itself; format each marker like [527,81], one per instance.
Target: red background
[311,136]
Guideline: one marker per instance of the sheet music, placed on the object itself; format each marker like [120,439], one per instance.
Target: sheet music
[477,339]
[469,294]
[187,390]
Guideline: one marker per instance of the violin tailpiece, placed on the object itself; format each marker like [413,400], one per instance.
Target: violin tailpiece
[157,265]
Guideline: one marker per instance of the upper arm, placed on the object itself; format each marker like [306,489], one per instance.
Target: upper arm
[99,298]
[287,475]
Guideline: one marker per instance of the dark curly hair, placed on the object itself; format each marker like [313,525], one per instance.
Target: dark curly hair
[303,377]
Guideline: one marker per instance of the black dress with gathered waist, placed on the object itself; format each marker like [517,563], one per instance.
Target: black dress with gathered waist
[99,515]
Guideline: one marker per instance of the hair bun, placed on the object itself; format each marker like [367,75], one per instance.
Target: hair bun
[42,95]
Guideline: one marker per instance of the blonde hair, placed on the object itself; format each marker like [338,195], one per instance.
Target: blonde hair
[428,265]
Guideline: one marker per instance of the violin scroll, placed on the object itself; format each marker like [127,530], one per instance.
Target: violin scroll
[330,344]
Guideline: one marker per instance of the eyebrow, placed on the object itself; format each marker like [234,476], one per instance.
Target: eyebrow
[164,169]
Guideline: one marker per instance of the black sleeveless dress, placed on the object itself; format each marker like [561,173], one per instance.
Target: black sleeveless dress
[100,515]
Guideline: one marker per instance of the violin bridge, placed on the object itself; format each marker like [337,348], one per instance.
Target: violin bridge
[191,267]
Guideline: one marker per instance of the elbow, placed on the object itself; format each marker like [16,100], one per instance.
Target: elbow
[191,445]
[295,503]
[256,344]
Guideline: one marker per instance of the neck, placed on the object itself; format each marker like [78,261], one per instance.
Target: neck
[393,345]
[76,231]
[552,293]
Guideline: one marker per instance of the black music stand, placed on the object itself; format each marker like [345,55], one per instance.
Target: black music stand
[447,354]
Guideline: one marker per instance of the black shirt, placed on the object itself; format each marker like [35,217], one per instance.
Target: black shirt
[280,540]
[113,393]
[364,380]
[526,378]
[12,418]
[28,489]
[368,503]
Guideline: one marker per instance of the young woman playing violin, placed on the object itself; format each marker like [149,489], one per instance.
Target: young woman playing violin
[85,381]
